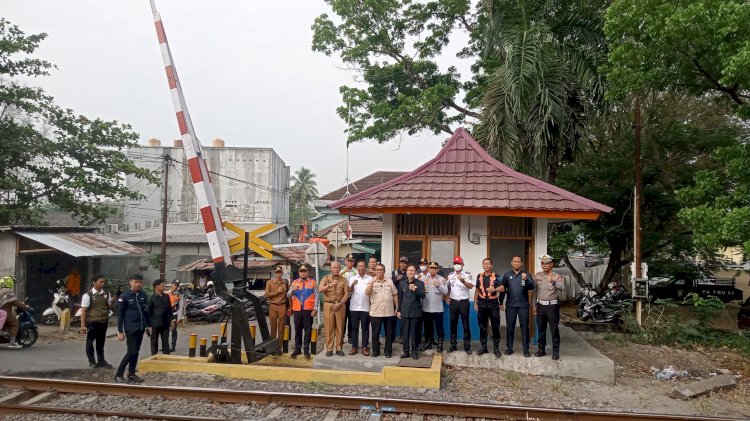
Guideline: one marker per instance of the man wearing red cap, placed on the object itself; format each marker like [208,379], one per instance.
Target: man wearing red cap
[460,283]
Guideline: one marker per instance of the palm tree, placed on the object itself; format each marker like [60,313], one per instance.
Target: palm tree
[545,83]
[303,191]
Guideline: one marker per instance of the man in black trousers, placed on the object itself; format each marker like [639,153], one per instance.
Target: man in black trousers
[132,323]
[160,313]
[517,284]
[410,295]
[95,306]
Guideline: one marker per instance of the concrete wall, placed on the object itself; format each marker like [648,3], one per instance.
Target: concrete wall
[261,196]
[473,254]
[389,230]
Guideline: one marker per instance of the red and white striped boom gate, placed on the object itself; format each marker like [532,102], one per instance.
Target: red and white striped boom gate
[224,271]
[209,209]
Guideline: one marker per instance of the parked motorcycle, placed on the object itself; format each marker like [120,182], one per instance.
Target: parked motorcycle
[60,301]
[606,309]
[27,330]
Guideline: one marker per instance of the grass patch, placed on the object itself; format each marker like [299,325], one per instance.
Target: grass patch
[512,379]
[662,327]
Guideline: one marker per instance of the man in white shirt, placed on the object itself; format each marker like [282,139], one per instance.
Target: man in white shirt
[347,273]
[95,306]
[359,307]
[460,283]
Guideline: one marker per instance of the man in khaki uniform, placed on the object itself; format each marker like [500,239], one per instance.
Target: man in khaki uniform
[383,304]
[276,290]
[548,285]
[335,290]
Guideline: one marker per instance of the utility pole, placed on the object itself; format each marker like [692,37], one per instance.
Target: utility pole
[637,206]
[164,214]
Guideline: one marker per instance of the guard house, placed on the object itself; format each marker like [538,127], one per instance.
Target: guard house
[464,202]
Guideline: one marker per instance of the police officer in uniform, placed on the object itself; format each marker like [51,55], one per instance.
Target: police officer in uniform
[547,310]
[517,283]
[304,295]
[335,290]
[487,306]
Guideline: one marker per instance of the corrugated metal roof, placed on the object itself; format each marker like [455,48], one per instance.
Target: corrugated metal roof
[83,244]
[208,264]
[360,227]
[464,176]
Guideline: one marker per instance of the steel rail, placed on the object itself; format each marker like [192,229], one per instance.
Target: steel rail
[426,407]
[13,409]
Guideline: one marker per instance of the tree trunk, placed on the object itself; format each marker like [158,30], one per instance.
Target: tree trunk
[617,259]
[573,271]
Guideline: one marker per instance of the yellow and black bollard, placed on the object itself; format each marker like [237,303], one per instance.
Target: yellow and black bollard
[252,336]
[214,340]
[203,347]
[223,333]
[314,342]
[285,342]
[192,344]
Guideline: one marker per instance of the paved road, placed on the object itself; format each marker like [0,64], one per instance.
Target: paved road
[70,354]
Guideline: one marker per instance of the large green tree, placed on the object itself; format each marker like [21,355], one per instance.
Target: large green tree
[680,133]
[543,84]
[702,46]
[393,46]
[49,156]
[717,206]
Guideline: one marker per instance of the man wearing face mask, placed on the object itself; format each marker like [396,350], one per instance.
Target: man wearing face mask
[436,287]
[460,284]
[423,269]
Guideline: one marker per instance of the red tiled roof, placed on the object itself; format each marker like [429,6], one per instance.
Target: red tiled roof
[463,178]
[208,264]
[363,184]
[359,227]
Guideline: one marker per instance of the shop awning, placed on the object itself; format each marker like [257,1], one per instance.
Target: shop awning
[363,249]
[81,244]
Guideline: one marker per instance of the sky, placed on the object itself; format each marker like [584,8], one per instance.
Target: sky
[247,70]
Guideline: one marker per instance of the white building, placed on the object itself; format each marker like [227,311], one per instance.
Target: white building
[251,185]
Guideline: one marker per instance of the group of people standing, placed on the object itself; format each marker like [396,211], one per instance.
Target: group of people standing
[137,314]
[361,300]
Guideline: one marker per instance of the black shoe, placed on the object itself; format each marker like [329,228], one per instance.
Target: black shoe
[555,355]
[428,346]
[468,351]
[103,364]
[508,351]
[171,349]
[483,350]
[92,364]
[329,354]
[415,356]
[307,354]
[497,353]
[440,347]
[526,353]
[279,352]
[120,379]
[405,355]
[453,348]
[295,354]
[375,354]
[340,353]
[132,378]
[540,353]
[388,355]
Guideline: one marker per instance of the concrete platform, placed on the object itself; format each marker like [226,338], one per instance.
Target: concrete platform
[578,359]
[388,376]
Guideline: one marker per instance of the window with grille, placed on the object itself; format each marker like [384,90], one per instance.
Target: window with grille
[427,224]
[509,227]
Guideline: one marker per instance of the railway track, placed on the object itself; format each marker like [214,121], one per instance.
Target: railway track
[53,396]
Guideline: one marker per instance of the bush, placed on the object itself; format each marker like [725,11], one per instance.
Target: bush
[662,327]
